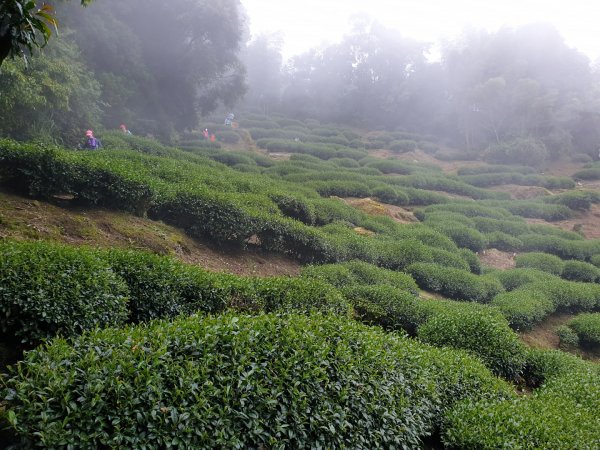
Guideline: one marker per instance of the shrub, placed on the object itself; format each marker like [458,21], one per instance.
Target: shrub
[578,200]
[455,283]
[588,174]
[580,271]
[233,158]
[515,278]
[543,365]
[296,208]
[567,338]
[526,151]
[403,145]
[161,287]
[461,235]
[472,260]
[524,307]
[570,295]
[503,241]
[229,137]
[386,306]
[587,327]
[480,331]
[232,381]
[48,289]
[541,261]
[595,260]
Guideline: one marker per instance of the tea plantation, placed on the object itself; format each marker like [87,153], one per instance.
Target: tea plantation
[394,335]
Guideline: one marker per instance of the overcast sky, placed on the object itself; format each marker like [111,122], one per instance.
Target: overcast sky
[309,23]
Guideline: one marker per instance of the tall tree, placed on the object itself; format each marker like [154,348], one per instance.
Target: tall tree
[24,26]
[161,64]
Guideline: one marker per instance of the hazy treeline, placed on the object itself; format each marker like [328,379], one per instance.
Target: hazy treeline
[159,66]
[485,88]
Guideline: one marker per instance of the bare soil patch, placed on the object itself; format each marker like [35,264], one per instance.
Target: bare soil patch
[544,336]
[562,168]
[26,219]
[373,207]
[518,192]
[497,259]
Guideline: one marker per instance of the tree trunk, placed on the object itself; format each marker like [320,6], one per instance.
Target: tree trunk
[4,48]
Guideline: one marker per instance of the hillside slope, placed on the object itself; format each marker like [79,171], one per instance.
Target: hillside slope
[26,219]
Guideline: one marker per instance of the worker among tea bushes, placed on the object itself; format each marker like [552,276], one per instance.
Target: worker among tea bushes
[91,142]
[124,129]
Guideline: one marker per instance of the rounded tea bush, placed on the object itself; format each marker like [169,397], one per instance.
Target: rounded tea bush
[48,289]
[239,382]
[541,261]
[580,271]
[587,327]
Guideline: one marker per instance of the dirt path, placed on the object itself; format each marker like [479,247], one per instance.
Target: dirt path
[26,219]
[544,335]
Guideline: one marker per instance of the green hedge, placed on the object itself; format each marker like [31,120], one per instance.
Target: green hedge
[386,306]
[455,283]
[570,295]
[483,332]
[587,327]
[563,414]
[541,261]
[240,382]
[580,271]
[524,307]
[360,273]
[48,289]
[512,279]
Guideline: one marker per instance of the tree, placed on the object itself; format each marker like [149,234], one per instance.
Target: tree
[161,64]
[54,98]
[24,26]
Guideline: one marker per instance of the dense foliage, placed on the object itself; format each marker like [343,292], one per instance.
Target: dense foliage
[217,382]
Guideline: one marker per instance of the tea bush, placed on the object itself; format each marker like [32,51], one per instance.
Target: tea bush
[48,289]
[560,415]
[215,382]
[570,295]
[386,306]
[580,271]
[588,174]
[541,261]
[577,200]
[472,260]
[567,338]
[403,146]
[503,241]
[587,327]
[525,151]
[487,169]
[524,307]
[481,331]
[513,279]
[455,283]
[561,247]
[360,273]
[461,235]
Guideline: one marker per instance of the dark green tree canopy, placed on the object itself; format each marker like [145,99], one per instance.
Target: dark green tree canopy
[24,26]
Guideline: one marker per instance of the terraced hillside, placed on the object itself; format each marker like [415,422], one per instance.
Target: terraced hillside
[383,327]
